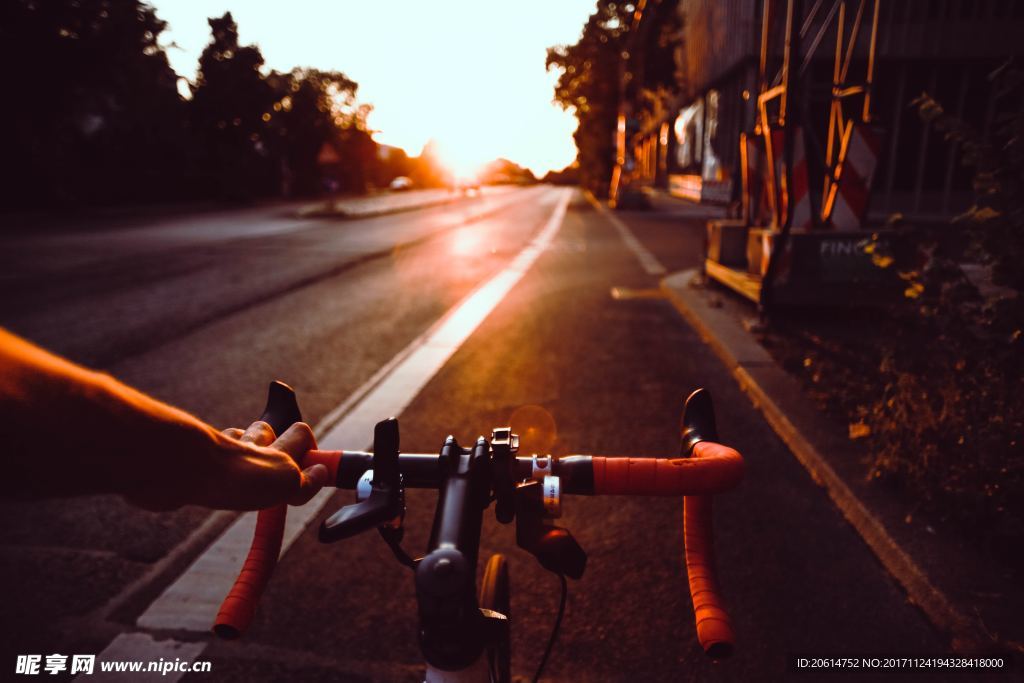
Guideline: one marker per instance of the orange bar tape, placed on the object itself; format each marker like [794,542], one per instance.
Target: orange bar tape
[714,630]
[329,459]
[713,469]
[239,607]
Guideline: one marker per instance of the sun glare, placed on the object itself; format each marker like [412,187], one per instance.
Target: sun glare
[465,73]
[461,157]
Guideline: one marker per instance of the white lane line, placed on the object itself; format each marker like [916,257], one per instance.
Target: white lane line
[648,261]
[191,602]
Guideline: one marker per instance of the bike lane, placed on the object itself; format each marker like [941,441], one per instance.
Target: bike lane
[583,372]
[71,567]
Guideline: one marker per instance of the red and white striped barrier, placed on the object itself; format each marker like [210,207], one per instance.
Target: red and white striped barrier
[800,193]
[857,171]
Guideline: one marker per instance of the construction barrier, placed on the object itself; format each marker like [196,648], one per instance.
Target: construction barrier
[856,171]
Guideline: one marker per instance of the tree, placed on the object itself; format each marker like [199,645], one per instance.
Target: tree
[570,175]
[428,169]
[393,162]
[230,112]
[503,171]
[313,108]
[92,112]
[589,86]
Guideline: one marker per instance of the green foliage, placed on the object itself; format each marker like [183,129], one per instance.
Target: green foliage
[570,175]
[91,108]
[658,79]
[588,85]
[950,420]
[229,102]
[94,114]
[613,63]
[312,107]
[503,171]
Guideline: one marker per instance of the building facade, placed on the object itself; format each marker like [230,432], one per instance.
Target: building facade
[946,48]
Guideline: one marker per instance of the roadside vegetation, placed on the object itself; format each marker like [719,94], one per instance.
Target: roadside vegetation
[592,81]
[95,114]
[934,383]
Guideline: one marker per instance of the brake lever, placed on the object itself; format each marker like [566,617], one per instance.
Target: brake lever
[554,547]
[386,496]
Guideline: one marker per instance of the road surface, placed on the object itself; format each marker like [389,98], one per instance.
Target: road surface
[203,311]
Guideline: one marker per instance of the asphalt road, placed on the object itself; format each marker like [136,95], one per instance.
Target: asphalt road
[203,312]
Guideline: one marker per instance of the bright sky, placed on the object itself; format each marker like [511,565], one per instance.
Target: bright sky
[467,73]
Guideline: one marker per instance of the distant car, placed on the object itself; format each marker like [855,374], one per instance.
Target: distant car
[400,183]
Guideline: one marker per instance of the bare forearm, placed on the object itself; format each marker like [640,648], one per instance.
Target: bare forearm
[67,430]
[94,444]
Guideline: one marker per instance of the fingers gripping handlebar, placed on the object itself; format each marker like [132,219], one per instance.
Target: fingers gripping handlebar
[238,608]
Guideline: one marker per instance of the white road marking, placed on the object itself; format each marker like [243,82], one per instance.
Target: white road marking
[647,260]
[191,602]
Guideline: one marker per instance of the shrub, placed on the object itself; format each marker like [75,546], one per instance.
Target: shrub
[950,421]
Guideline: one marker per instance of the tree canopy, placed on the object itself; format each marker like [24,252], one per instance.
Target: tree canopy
[588,85]
[97,117]
[92,107]
[615,61]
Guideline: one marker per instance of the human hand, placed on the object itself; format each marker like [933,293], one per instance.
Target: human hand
[244,470]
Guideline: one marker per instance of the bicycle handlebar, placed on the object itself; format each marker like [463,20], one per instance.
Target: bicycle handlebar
[239,607]
[712,468]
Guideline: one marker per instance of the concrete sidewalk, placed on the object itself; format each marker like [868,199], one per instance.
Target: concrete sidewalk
[976,604]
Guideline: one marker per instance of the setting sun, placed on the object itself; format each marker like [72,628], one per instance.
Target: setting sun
[457,154]
[468,75]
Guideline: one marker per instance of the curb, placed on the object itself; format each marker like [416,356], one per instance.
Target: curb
[765,383]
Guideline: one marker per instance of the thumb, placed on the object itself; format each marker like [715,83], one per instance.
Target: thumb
[314,478]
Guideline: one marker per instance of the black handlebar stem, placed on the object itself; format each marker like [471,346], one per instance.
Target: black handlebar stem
[452,629]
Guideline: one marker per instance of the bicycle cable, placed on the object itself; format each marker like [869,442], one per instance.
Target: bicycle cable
[554,631]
